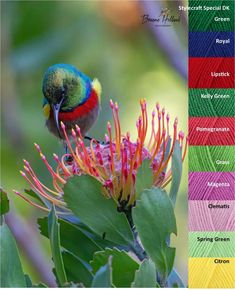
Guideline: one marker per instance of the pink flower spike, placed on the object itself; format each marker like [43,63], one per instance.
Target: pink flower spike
[176,122]
[37,147]
[43,157]
[158,107]
[116,107]
[56,157]
[111,104]
[181,135]
[80,141]
[26,169]
[31,202]
[109,126]
[62,125]
[26,162]
[73,133]
[106,137]
[22,173]
[78,131]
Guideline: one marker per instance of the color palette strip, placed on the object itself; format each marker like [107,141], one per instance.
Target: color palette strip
[211,158]
[211,72]
[211,44]
[211,102]
[211,186]
[208,272]
[211,216]
[212,244]
[211,131]
[211,177]
[216,15]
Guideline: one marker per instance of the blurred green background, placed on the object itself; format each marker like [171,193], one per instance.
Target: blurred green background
[104,39]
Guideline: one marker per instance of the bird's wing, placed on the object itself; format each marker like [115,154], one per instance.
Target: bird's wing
[46,108]
[97,88]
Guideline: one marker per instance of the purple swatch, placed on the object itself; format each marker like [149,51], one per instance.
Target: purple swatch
[205,215]
[211,186]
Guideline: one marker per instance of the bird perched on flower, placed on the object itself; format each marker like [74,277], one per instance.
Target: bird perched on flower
[116,162]
[70,97]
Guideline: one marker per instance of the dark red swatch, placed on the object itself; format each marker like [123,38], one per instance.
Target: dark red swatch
[201,72]
[202,131]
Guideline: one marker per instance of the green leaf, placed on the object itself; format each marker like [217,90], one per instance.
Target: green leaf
[40,285]
[145,277]
[54,235]
[10,266]
[75,270]
[154,219]
[176,168]
[102,243]
[103,277]
[83,195]
[144,177]
[123,265]
[28,281]
[34,195]
[4,202]
[72,239]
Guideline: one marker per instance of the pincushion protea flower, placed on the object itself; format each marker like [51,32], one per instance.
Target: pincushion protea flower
[115,162]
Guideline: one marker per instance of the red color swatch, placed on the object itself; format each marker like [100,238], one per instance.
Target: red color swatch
[202,72]
[211,131]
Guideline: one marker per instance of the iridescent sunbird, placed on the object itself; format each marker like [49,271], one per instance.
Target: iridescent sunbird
[71,97]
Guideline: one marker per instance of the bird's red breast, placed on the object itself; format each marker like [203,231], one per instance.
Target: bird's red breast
[80,110]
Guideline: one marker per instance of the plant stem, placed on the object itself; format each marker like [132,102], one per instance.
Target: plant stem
[137,248]
[28,242]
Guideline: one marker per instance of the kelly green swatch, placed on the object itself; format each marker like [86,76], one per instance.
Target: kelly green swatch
[210,247]
[211,158]
[211,103]
[202,20]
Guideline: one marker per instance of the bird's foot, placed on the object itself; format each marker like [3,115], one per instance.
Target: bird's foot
[69,159]
[98,141]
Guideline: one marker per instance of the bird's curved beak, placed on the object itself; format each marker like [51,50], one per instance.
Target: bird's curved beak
[56,110]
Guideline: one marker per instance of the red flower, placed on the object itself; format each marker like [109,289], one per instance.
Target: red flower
[114,163]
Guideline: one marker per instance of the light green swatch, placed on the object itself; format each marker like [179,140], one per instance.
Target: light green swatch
[223,247]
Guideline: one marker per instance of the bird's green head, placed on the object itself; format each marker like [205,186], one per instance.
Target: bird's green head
[66,86]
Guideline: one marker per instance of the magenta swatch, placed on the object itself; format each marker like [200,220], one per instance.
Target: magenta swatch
[201,186]
[205,215]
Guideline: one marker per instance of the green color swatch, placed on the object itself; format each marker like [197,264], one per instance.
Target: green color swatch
[211,158]
[211,103]
[212,244]
[211,15]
